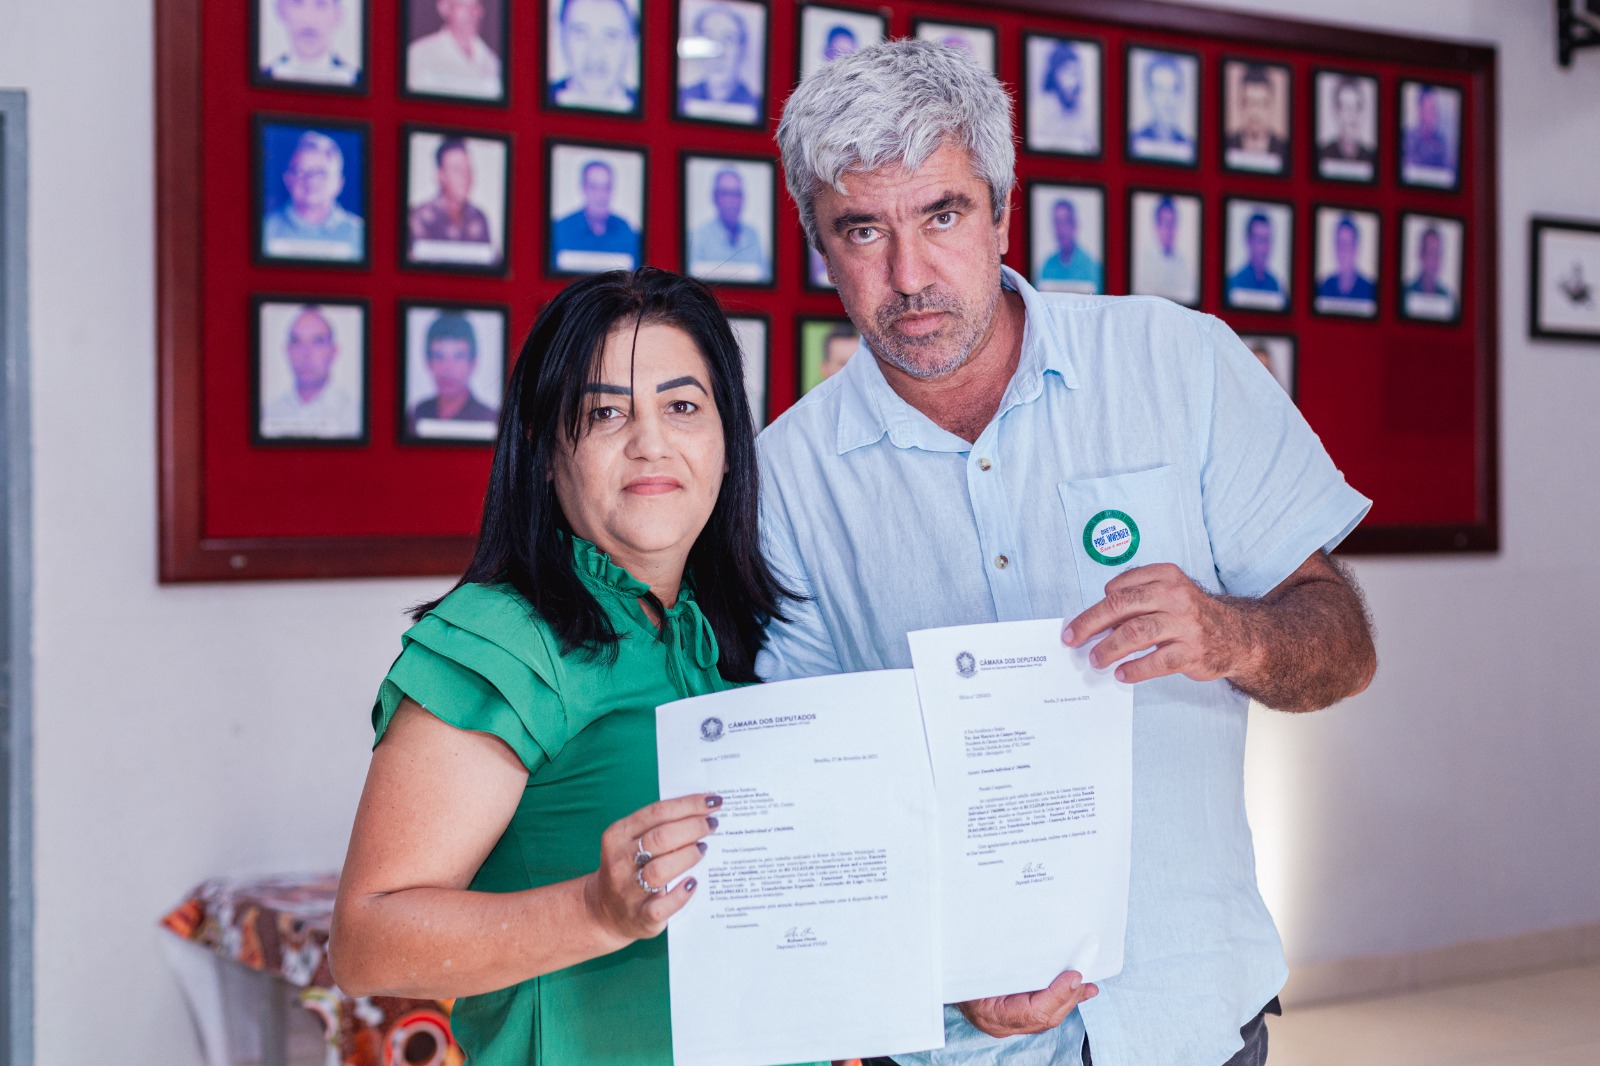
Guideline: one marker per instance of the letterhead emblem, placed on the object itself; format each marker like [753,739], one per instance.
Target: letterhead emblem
[711,729]
[966,665]
[1111,538]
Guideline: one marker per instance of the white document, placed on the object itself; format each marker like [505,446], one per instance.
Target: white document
[813,932]
[1032,752]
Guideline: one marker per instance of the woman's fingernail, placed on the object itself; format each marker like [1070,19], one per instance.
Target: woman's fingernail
[712,822]
[713,801]
[702,846]
[688,886]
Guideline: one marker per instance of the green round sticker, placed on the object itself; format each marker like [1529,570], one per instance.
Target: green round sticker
[1111,537]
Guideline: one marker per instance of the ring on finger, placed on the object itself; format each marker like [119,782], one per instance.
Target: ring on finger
[641,856]
[646,885]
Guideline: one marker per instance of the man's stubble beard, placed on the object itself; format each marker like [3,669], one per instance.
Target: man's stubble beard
[950,349]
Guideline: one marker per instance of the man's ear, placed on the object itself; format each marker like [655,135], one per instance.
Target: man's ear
[1005,225]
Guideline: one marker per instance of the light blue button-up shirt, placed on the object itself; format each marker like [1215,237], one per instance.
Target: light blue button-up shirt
[889,523]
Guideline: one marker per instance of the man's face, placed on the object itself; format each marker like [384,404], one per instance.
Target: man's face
[1166,227]
[916,257]
[315,180]
[836,352]
[1432,255]
[1259,240]
[721,28]
[461,17]
[450,364]
[311,25]
[311,350]
[1069,81]
[1255,108]
[596,39]
[841,42]
[1066,218]
[455,175]
[728,195]
[1345,241]
[597,191]
[1348,112]
[1164,95]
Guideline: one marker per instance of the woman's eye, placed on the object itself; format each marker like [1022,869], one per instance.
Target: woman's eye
[604,414]
[683,407]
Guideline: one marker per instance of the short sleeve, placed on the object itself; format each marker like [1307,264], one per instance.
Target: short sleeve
[481,662]
[1271,494]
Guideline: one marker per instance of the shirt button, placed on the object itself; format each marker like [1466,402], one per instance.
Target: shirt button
[984,464]
[1001,561]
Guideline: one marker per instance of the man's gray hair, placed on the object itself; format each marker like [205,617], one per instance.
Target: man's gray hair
[891,104]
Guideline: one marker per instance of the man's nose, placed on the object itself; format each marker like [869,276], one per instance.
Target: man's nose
[910,264]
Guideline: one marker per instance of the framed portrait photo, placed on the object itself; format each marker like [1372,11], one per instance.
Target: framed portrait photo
[1430,135]
[1165,234]
[592,57]
[455,49]
[308,370]
[455,200]
[1432,249]
[310,179]
[1061,102]
[452,372]
[1258,248]
[824,344]
[1256,109]
[1163,98]
[816,274]
[596,209]
[1347,257]
[1564,279]
[309,44]
[826,33]
[722,62]
[1346,126]
[729,215]
[1277,353]
[751,331]
[978,42]
[1066,237]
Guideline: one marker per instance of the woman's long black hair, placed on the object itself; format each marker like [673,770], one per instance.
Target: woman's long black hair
[525,540]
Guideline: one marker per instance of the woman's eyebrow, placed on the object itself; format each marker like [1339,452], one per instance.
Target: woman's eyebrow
[687,379]
[614,390]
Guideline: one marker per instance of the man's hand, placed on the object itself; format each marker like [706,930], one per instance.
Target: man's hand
[1305,645]
[1029,1012]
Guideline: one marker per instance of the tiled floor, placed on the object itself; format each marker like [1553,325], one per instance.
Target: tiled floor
[1544,1019]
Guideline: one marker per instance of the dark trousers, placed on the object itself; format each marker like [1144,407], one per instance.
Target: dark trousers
[1254,1052]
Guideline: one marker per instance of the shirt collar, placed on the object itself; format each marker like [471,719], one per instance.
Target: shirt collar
[869,408]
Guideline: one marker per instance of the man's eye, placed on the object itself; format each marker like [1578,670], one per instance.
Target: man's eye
[944,220]
[863,234]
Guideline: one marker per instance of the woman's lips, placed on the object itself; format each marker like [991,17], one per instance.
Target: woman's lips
[652,486]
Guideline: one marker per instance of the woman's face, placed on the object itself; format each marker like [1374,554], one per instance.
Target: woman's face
[644,473]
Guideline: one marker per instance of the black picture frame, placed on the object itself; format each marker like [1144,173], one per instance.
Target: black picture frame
[360,87]
[1539,227]
[988,29]
[259,124]
[406,38]
[759,121]
[547,90]
[403,309]
[551,146]
[1285,158]
[1198,113]
[686,160]
[1401,290]
[800,354]
[1292,386]
[1316,140]
[1029,81]
[803,10]
[498,269]
[1321,309]
[760,412]
[1198,267]
[258,302]
[1400,161]
[1290,287]
[1032,185]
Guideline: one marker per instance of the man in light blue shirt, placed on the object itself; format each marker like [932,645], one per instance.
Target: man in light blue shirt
[312,224]
[725,247]
[948,475]
[1071,268]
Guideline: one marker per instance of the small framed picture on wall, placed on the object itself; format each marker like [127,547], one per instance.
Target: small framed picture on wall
[1256,99]
[977,42]
[826,33]
[1347,126]
[825,344]
[751,332]
[729,214]
[596,210]
[1066,237]
[1348,254]
[311,191]
[1258,254]
[1564,303]
[1431,254]
[456,200]
[309,44]
[1163,105]
[455,49]
[592,60]
[1061,101]
[1430,135]
[1164,255]
[1277,354]
[309,370]
[722,61]
[452,373]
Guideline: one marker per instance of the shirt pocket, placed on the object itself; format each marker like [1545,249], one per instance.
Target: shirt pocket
[1123,521]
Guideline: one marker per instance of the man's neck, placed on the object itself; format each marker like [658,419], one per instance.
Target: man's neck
[309,393]
[451,405]
[597,223]
[966,401]
[316,214]
[464,41]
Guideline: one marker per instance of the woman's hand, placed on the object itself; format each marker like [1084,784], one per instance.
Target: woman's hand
[648,850]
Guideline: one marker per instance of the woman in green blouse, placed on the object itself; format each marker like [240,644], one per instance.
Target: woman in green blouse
[510,848]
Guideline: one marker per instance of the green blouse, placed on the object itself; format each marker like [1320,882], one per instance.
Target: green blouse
[585,729]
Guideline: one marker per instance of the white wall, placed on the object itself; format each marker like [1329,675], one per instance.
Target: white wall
[184,732]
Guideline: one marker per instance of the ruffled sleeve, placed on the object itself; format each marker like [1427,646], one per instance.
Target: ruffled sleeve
[481,661]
